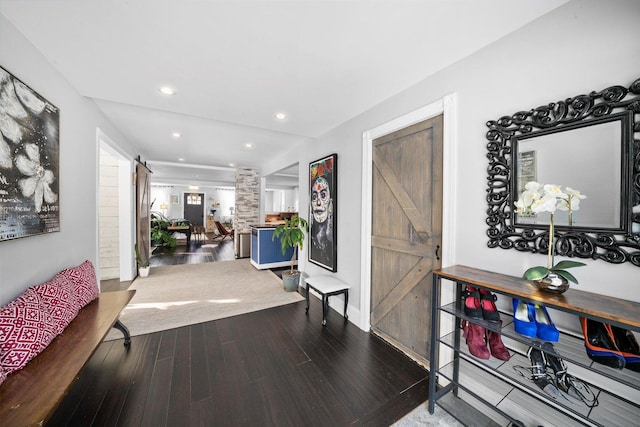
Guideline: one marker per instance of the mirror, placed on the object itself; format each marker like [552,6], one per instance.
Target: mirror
[281,191]
[587,143]
[557,157]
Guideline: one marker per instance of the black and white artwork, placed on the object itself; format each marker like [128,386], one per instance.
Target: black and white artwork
[323,184]
[29,161]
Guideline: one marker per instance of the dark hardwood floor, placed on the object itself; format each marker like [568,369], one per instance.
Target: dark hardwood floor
[275,367]
[197,252]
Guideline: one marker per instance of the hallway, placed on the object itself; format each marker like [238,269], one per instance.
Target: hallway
[272,367]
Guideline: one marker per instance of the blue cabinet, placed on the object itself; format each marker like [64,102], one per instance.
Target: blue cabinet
[265,251]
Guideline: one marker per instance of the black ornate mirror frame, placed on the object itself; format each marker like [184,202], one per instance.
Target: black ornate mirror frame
[611,246]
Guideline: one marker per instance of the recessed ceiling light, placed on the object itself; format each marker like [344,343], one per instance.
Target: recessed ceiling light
[280,116]
[181,159]
[176,134]
[167,90]
[249,145]
[233,165]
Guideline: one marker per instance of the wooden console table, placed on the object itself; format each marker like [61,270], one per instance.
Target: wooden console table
[186,229]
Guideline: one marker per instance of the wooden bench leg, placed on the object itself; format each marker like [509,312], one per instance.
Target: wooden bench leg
[120,326]
[307,296]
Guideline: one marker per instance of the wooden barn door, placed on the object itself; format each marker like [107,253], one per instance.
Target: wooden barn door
[406,234]
[143,203]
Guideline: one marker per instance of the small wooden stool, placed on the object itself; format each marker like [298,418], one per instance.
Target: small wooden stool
[327,286]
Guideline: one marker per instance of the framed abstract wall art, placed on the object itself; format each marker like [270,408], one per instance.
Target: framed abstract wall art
[29,161]
[323,185]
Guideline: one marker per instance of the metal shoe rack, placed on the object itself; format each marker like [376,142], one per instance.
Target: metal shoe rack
[625,314]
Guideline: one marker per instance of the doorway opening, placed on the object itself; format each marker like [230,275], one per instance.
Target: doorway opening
[115,212]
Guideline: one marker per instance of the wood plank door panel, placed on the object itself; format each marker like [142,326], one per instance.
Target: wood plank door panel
[143,205]
[406,230]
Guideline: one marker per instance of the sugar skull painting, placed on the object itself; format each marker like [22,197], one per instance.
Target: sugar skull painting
[323,198]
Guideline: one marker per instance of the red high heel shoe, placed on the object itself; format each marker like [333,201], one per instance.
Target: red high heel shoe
[475,335]
[496,346]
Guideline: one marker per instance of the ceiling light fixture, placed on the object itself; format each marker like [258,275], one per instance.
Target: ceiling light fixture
[249,145]
[181,159]
[167,90]
[176,134]
[233,165]
[280,116]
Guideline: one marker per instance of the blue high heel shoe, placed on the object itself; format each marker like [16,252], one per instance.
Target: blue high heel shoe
[546,330]
[524,321]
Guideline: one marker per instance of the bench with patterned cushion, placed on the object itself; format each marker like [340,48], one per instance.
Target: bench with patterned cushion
[47,334]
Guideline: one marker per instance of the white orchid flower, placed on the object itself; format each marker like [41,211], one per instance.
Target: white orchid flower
[532,187]
[546,203]
[38,181]
[554,190]
[575,193]
[572,201]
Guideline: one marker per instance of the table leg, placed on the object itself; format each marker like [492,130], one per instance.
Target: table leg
[346,302]
[325,309]
[307,297]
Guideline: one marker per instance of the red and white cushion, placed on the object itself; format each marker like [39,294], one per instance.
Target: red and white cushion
[26,328]
[3,375]
[60,298]
[84,282]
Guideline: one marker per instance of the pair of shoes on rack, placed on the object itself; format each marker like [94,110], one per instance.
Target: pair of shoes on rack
[549,373]
[566,382]
[532,320]
[478,338]
[480,304]
[610,345]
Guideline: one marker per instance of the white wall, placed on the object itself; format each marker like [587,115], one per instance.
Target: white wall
[109,216]
[579,47]
[32,260]
[224,196]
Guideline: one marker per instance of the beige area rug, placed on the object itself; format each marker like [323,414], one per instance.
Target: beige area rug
[179,295]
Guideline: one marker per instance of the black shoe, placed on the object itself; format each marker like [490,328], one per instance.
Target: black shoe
[600,345]
[542,379]
[572,390]
[628,346]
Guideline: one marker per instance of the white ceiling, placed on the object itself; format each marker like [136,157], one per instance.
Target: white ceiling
[235,63]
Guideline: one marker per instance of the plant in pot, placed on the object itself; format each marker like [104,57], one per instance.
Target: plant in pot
[143,266]
[537,199]
[291,235]
[159,234]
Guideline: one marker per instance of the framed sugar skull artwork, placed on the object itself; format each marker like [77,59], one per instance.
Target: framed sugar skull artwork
[323,210]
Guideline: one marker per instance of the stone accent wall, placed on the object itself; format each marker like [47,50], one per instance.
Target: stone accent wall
[247,210]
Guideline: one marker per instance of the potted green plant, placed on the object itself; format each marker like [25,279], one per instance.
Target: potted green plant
[160,236]
[291,235]
[539,198]
[143,265]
